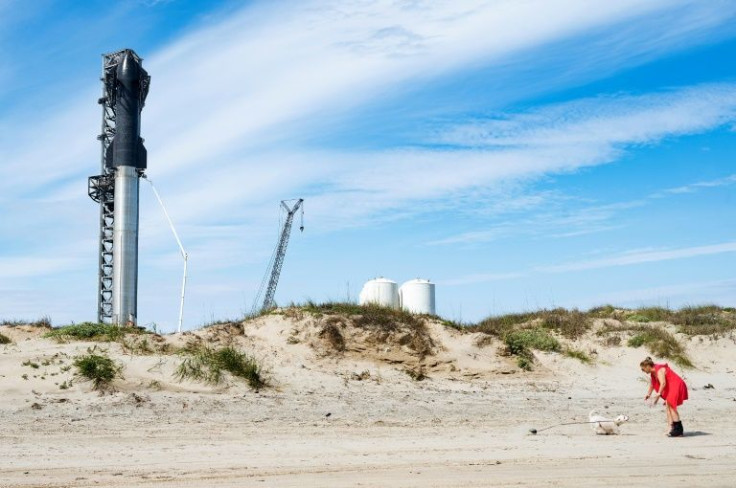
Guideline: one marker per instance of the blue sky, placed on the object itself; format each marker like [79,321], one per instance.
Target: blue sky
[521,154]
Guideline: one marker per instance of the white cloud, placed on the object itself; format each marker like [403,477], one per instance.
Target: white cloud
[632,258]
[694,187]
[606,121]
[671,296]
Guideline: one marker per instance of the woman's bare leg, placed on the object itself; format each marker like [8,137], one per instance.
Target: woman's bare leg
[672,411]
[669,417]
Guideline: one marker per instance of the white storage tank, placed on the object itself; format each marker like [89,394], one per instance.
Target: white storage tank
[417,296]
[380,291]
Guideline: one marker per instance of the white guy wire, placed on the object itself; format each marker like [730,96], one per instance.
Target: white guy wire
[181,249]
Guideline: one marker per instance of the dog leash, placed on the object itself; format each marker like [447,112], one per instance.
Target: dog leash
[534,431]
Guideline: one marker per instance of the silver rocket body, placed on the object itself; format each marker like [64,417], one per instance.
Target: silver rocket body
[127,157]
[125,244]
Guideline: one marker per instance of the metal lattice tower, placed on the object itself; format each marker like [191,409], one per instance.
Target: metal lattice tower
[101,188]
[280,254]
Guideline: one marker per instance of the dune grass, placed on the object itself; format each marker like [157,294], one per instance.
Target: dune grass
[577,354]
[571,324]
[369,316]
[90,331]
[97,367]
[524,332]
[657,339]
[210,365]
[44,322]
[384,323]
[705,320]
[520,343]
[5,339]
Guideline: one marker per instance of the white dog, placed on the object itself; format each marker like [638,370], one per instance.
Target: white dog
[604,426]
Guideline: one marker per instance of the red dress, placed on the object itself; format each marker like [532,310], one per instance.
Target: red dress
[675,391]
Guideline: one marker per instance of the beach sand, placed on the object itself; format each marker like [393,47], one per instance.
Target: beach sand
[356,418]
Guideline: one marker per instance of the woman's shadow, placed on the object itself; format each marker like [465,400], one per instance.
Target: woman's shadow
[696,433]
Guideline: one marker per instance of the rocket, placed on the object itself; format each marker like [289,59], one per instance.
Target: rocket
[126,158]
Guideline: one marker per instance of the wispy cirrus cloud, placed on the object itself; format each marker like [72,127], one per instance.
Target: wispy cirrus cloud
[633,258]
[697,186]
[626,258]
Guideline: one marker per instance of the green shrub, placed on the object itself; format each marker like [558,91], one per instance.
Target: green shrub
[209,365]
[4,339]
[578,354]
[661,344]
[88,331]
[97,368]
[603,312]
[501,325]
[650,314]
[537,338]
[521,342]
[571,324]
[704,320]
[525,361]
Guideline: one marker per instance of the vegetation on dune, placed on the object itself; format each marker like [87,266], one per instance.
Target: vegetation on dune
[96,366]
[691,320]
[537,338]
[44,322]
[705,320]
[570,324]
[90,331]
[383,323]
[368,316]
[209,365]
[4,339]
[657,339]
[577,354]
[520,343]
[524,332]
[650,314]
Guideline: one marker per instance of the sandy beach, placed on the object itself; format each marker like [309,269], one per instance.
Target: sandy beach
[357,418]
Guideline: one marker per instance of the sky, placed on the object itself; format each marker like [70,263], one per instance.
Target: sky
[521,154]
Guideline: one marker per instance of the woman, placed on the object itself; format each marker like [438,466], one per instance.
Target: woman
[668,386]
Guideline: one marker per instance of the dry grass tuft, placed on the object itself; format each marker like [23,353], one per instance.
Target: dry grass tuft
[332,335]
[97,367]
[210,365]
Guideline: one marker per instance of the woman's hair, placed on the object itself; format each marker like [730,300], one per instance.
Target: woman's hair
[647,362]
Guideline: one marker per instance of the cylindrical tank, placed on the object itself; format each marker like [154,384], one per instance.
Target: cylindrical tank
[417,296]
[380,291]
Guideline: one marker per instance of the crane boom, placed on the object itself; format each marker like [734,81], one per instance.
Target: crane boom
[280,252]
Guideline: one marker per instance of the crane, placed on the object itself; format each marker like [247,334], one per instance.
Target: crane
[277,259]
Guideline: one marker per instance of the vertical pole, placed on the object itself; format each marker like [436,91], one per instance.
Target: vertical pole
[181,250]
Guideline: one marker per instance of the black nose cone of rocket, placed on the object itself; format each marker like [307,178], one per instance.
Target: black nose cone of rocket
[128,71]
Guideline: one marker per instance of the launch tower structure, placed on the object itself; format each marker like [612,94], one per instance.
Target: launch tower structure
[123,160]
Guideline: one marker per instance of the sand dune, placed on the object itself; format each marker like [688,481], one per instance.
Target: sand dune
[344,409]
